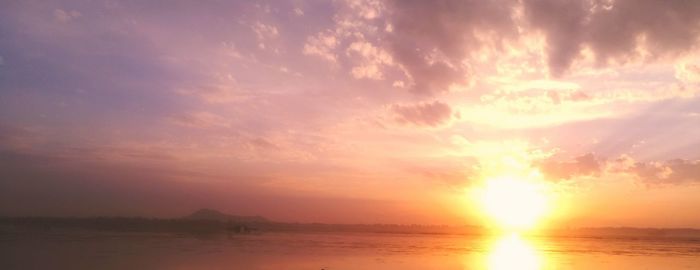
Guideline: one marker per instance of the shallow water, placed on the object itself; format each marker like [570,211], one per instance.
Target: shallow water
[90,250]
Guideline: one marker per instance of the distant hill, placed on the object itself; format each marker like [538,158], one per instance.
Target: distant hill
[210,214]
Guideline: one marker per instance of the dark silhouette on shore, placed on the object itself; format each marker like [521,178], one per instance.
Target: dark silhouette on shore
[211,221]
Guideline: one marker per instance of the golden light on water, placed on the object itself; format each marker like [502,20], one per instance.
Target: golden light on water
[511,251]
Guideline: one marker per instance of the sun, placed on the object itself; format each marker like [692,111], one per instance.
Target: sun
[514,203]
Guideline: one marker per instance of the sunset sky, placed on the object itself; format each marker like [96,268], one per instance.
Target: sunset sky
[354,111]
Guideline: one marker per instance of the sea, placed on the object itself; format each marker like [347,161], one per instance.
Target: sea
[77,250]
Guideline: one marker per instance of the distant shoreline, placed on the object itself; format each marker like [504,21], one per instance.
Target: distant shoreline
[213,221]
[210,226]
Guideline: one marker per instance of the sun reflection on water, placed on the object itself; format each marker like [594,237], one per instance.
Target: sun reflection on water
[512,251]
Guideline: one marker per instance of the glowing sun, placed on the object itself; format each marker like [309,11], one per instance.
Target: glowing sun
[512,203]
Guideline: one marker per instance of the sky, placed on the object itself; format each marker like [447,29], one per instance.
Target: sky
[356,111]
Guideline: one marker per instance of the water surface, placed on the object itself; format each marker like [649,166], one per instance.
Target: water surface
[100,250]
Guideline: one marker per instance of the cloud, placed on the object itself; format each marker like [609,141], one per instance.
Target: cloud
[262,143]
[373,59]
[367,9]
[585,165]
[63,16]
[201,120]
[615,31]
[432,39]
[674,171]
[220,90]
[264,32]
[21,138]
[447,170]
[436,45]
[557,96]
[423,114]
[561,21]
[323,45]
[688,72]
[298,12]
[219,94]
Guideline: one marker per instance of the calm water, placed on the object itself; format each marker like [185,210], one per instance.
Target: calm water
[72,250]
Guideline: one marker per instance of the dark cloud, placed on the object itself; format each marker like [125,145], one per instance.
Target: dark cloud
[613,30]
[430,39]
[562,21]
[423,114]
